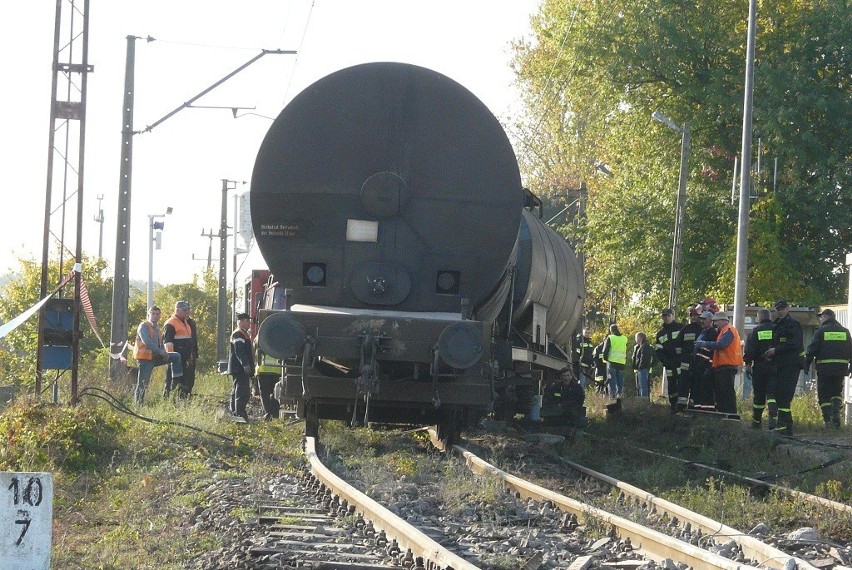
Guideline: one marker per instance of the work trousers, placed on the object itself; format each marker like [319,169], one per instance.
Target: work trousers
[687,385]
[672,378]
[829,390]
[786,378]
[184,383]
[266,386]
[240,394]
[616,381]
[146,367]
[643,382]
[763,386]
[723,389]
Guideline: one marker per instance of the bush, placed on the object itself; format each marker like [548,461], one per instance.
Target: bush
[37,436]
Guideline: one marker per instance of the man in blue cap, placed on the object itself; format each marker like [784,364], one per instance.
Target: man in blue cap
[241,365]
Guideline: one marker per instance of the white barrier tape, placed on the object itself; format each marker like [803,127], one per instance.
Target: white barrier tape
[20,319]
[118,355]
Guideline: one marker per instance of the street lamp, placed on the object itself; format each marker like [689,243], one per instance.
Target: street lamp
[152,225]
[681,203]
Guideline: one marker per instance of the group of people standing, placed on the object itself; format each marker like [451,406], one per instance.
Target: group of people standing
[702,357]
[176,346]
[775,353]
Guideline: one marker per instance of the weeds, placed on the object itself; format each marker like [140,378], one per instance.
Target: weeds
[124,489]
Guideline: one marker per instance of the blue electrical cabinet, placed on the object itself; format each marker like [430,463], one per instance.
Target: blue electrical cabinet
[58,334]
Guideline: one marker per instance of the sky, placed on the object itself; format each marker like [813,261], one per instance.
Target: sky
[181,163]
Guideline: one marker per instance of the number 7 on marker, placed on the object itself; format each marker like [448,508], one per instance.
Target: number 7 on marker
[25,521]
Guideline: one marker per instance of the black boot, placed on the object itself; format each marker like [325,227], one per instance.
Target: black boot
[836,405]
[825,408]
[756,416]
[771,421]
[785,422]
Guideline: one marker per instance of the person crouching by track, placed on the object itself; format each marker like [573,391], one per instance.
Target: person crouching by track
[727,358]
[643,359]
[615,356]
[241,365]
[569,396]
[150,352]
[762,374]
[832,349]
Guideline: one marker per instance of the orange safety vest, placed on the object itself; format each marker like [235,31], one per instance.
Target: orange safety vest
[141,351]
[732,355]
[182,331]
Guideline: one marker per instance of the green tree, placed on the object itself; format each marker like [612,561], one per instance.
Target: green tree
[595,71]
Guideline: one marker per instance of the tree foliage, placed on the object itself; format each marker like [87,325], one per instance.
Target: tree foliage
[18,348]
[593,73]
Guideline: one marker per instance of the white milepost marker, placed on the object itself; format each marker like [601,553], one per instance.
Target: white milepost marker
[26,520]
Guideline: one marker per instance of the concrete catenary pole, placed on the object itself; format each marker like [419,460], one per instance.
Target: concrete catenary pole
[745,180]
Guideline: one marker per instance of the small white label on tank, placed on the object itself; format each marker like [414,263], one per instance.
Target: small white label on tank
[26,520]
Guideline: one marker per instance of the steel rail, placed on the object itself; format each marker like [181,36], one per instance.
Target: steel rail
[651,543]
[752,547]
[815,499]
[406,535]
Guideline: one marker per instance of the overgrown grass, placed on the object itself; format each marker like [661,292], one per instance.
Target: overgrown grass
[647,446]
[125,490]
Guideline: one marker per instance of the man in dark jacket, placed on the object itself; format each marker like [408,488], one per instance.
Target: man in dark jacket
[832,349]
[763,381]
[180,335]
[665,346]
[643,359]
[787,356]
[687,390]
[702,362]
[241,365]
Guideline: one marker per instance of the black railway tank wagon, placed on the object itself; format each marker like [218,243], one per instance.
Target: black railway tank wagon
[386,199]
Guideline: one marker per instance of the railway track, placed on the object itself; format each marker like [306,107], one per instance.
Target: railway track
[317,520]
[761,550]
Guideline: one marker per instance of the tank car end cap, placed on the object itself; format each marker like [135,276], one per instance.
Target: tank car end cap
[281,336]
[460,344]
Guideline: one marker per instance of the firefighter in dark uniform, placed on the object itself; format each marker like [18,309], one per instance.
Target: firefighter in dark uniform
[581,358]
[569,397]
[787,357]
[832,350]
[665,347]
[687,391]
[762,374]
[241,365]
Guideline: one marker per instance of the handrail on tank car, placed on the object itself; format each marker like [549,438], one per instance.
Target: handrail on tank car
[532,201]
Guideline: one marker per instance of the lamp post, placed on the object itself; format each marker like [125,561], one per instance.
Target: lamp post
[152,225]
[680,207]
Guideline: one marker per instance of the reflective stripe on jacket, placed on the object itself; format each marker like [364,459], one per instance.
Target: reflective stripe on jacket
[183,332]
[832,349]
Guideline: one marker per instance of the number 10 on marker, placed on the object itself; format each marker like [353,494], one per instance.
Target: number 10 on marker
[26,519]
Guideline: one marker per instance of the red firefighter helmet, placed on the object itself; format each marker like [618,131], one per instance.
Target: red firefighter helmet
[710,305]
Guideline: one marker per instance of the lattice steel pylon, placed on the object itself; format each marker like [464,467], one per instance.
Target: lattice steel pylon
[67,126]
